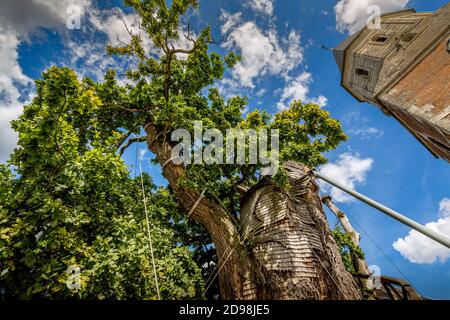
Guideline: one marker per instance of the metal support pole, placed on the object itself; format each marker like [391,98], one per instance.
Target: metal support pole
[403,219]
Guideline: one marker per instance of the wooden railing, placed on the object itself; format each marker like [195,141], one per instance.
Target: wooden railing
[393,289]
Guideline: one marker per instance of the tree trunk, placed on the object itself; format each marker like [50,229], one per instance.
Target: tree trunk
[234,263]
[359,264]
[288,254]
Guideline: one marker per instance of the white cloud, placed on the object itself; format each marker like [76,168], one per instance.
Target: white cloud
[261,92]
[262,6]
[350,170]
[114,24]
[12,79]
[87,58]
[263,52]
[298,89]
[27,16]
[320,100]
[8,135]
[418,248]
[87,55]
[230,21]
[352,15]
[444,208]
[19,19]
[142,153]
[10,71]
[367,133]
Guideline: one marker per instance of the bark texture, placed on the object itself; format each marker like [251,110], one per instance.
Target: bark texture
[283,248]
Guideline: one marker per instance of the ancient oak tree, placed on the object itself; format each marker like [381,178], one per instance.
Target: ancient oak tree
[274,241]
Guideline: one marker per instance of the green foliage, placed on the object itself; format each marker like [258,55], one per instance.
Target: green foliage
[347,248]
[72,203]
[306,132]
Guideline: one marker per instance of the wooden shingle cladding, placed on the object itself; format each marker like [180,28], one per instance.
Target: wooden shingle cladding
[389,59]
[288,235]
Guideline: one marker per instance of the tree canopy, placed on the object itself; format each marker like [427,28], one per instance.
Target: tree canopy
[173,87]
[71,202]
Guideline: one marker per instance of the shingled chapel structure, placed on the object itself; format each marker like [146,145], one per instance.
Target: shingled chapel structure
[403,67]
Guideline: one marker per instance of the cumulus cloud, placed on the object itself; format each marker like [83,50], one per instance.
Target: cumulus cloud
[88,59]
[420,249]
[229,21]
[27,16]
[262,6]
[10,71]
[298,89]
[118,25]
[352,15]
[349,169]
[263,52]
[114,23]
[19,20]
[9,136]
[11,79]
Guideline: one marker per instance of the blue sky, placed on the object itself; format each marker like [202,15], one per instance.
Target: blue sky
[280,43]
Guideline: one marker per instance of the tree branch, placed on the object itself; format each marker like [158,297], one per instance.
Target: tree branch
[130,142]
[132,109]
[130,32]
[124,137]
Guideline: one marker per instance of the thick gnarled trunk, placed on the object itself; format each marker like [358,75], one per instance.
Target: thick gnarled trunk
[285,249]
[237,269]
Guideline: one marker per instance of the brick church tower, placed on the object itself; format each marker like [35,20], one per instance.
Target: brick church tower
[404,69]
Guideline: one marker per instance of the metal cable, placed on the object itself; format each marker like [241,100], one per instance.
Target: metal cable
[384,254]
[148,231]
